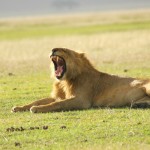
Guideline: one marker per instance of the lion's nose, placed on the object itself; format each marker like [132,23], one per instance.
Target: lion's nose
[53,52]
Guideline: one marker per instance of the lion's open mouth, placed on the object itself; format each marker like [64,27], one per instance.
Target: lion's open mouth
[59,65]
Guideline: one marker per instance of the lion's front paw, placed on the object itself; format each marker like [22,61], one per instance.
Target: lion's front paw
[16,109]
[38,109]
[34,109]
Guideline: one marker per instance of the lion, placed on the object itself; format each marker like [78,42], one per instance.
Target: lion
[80,86]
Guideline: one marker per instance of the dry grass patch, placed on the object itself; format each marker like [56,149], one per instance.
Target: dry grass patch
[130,49]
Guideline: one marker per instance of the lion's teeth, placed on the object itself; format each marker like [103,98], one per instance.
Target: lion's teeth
[54,58]
[57,58]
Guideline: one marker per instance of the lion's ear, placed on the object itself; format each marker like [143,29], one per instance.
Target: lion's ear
[82,54]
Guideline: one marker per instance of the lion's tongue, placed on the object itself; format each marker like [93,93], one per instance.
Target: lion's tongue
[59,71]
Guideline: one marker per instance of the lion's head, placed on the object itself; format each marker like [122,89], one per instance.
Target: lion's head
[68,64]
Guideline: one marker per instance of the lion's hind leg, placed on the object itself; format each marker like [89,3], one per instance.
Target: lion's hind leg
[142,103]
[147,89]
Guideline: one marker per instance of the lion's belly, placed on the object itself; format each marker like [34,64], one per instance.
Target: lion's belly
[118,97]
[110,101]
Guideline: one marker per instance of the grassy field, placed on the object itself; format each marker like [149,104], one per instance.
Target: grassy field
[117,43]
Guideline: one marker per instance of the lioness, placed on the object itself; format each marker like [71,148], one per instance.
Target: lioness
[80,86]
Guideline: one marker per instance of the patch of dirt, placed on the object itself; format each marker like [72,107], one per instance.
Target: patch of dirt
[10,74]
[63,127]
[12,129]
[45,127]
[125,70]
[20,129]
[17,144]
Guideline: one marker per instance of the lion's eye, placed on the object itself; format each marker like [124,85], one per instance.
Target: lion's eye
[54,51]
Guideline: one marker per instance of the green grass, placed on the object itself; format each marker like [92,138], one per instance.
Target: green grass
[117,50]
[36,31]
[90,129]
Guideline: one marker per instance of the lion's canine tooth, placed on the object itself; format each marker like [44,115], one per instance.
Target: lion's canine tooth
[57,58]
[54,58]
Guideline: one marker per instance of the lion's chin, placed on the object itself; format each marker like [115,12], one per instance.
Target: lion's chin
[59,66]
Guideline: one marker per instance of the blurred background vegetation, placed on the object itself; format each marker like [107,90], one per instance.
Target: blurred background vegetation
[114,34]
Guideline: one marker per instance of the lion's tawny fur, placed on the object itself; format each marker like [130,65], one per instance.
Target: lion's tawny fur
[83,87]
